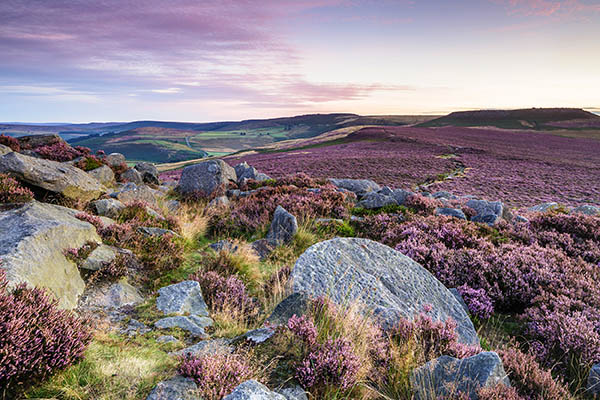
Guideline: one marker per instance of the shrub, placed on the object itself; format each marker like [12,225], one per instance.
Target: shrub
[118,170]
[422,205]
[11,142]
[12,192]
[36,338]
[140,213]
[89,163]
[61,151]
[477,301]
[241,261]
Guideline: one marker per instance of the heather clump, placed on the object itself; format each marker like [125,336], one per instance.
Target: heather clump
[36,338]
[140,213]
[10,142]
[89,163]
[61,151]
[422,205]
[11,191]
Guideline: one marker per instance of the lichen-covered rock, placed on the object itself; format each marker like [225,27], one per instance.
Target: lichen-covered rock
[99,258]
[488,212]
[446,376]
[283,227]
[33,239]
[207,347]
[115,159]
[358,186]
[294,304]
[293,393]
[33,141]
[132,192]
[205,178]
[543,207]
[245,172]
[193,324]
[383,280]
[111,296]
[182,298]
[253,390]
[593,383]
[166,339]
[450,212]
[104,175]
[133,176]
[52,176]
[108,207]
[178,388]
[149,173]
[4,150]
[586,209]
[134,328]
[374,200]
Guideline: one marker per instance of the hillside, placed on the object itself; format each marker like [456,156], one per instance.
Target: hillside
[533,118]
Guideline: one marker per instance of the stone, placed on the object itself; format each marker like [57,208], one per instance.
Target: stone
[283,227]
[166,339]
[450,212]
[294,304]
[460,299]
[224,245]
[359,187]
[104,175]
[207,347]
[115,159]
[153,231]
[173,206]
[33,239]
[387,283]
[543,207]
[488,212]
[401,195]
[262,248]
[193,324]
[521,219]
[133,176]
[177,388]
[256,336]
[149,173]
[182,298]
[253,390]
[593,383]
[99,258]
[4,150]
[207,177]
[374,200]
[221,201]
[241,168]
[444,195]
[293,393]
[446,376]
[132,192]
[52,176]
[111,296]
[586,209]
[34,141]
[108,207]
[134,328]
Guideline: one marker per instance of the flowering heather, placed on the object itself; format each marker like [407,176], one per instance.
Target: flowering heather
[477,301]
[139,212]
[218,374]
[36,338]
[11,191]
[61,151]
[11,142]
[89,163]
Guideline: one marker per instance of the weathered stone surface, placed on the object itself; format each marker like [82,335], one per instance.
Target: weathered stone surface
[205,178]
[241,168]
[385,281]
[132,192]
[283,227]
[133,176]
[460,299]
[293,393]
[193,324]
[99,258]
[115,159]
[401,195]
[53,176]
[166,339]
[111,296]
[444,195]
[221,201]
[450,212]
[224,245]
[182,298]
[104,175]
[4,150]
[488,212]
[374,200]
[263,247]
[358,186]
[32,240]
[177,388]
[593,383]
[543,207]
[207,347]
[149,173]
[153,231]
[586,209]
[446,376]
[256,336]
[245,172]
[253,390]
[134,328]
[108,207]
[294,304]
[34,141]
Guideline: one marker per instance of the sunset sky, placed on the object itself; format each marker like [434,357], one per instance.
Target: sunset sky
[119,60]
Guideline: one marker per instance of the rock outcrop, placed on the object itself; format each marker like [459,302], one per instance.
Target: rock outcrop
[359,187]
[593,383]
[182,298]
[207,177]
[149,173]
[104,175]
[488,212]
[177,388]
[283,227]
[253,390]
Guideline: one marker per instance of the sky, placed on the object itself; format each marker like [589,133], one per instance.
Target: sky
[194,60]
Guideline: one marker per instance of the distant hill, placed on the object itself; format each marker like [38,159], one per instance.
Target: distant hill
[531,118]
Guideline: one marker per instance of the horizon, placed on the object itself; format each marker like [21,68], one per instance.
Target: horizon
[236,60]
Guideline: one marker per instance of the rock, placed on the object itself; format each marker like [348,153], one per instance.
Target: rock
[152,231]
[133,176]
[283,227]
[386,282]
[221,201]
[193,324]
[253,390]
[488,212]
[586,209]
[460,299]
[446,376]
[115,159]
[260,177]
[224,245]
[4,150]
[99,258]
[256,336]
[293,393]
[178,388]
[400,195]
[263,247]
[357,186]
[52,176]
[294,304]
[104,175]
[34,141]
[374,200]
[207,347]
[108,207]
[241,168]
[205,178]
[32,241]
[173,206]
[166,339]
[134,328]
[543,207]
[245,172]
[132,192]
[182,298]
[111,296]
[593,383]
[450,212]
[444,195]
[149,173]
[521,219]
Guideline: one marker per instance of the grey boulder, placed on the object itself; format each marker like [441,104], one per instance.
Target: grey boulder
[359,187]
[488,212]
[182,298]
[4,150]
[293,393]
[108,207]
[149,173]
[586,209]
[132,192]
[115,159]
[386,282]
[104,175]
[593,383]
[245,172]
[543,207]
[133,176]
[253,390]
[294,304]
[111,296]
[205,178]
[177,388]
[99,258]
[450,212]
[447,376]
[193,324]
[374,200]
[283,227]
[206,348]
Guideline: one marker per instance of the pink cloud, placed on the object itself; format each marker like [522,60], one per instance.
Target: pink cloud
[547,8]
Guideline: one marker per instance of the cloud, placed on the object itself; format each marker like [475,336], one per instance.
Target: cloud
[550,8]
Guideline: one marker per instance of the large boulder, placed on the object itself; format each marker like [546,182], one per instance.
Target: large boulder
[593,383]
[32,241]
[182,298]
[111,296]
[149,173]
[447,376]
[450,212]
[488,212]
[385,281]
[253,390]
[52,176]
[177,388]
[207,177]
[104,175]
[132,192]
[586,209]
[108,207]
[4,150]
[34,141]
[133,176]
[358,186]
[283,227]
[245,172]
[115,159]
[374,200]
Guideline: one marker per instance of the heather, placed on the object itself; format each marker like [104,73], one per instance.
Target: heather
[11,191]
[10,142]
[36,338]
